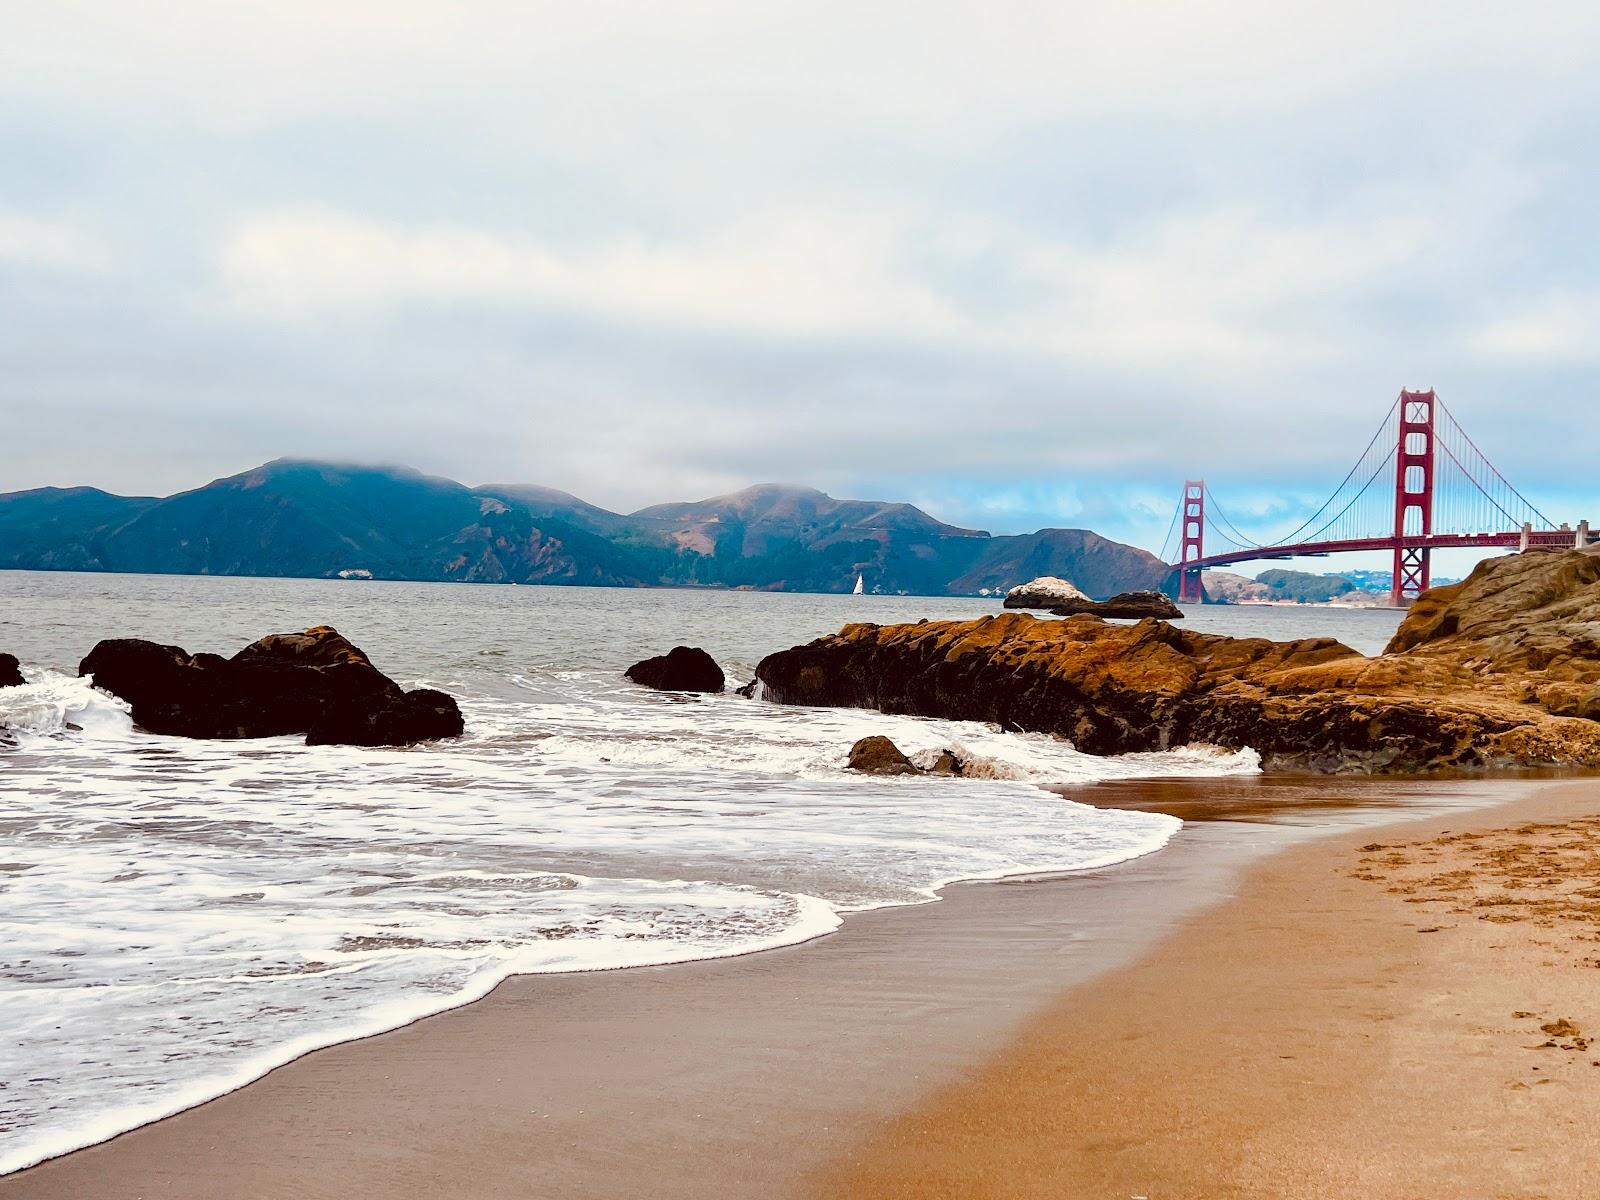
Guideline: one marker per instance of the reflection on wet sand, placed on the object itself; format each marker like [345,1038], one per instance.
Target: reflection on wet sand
[1311,800]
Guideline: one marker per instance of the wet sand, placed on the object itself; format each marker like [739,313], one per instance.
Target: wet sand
[1403,1012]
[750,1076]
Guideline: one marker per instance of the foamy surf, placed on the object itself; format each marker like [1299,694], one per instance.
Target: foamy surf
[52,704]
[181,916]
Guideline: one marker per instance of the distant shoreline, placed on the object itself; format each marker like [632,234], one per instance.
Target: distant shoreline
[1299,604]
[997,597]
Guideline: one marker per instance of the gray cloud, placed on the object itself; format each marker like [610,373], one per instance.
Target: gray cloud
[1024,264]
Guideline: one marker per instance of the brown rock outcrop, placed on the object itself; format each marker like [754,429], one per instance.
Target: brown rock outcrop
[1499,670]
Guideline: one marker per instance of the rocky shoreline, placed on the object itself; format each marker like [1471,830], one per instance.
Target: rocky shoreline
[1500,670]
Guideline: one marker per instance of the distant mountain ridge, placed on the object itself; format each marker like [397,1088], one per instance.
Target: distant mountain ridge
[302,518]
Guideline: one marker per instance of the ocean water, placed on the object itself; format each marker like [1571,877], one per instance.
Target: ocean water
[177,917]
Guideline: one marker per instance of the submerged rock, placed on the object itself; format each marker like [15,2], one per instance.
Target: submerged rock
[877,755]
[946,762]
[681,669]
[316,683]
[1498,670]
[1063,598]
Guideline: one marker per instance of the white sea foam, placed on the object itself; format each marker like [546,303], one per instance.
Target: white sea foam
[52,704]
[179,917]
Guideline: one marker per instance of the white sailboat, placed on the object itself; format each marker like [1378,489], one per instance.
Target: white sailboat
[859,588]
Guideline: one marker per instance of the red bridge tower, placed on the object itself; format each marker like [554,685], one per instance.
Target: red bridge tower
[1413,496]
[1190,589]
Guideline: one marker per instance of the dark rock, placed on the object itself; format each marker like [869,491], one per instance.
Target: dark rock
[1131,606]
[947,763]
[418,716]
[1062,597]
[286,683]
[10,675]
[877,755]
[681,669]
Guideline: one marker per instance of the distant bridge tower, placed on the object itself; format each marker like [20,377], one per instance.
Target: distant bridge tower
[1190,589]
[1413,496]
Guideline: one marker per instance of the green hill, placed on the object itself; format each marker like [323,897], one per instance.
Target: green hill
[316,519]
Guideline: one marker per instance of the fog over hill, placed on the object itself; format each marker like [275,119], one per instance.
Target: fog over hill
[316,519]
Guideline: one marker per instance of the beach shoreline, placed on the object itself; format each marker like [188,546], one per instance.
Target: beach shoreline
[747,1073]
[1396,1012]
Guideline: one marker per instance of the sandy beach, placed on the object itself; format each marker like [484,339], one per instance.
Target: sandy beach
[1156,1028]
[1402,1014]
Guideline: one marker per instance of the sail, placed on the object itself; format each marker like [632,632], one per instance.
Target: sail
[859,588]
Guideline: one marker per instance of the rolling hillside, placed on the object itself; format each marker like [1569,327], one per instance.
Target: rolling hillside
[313,519]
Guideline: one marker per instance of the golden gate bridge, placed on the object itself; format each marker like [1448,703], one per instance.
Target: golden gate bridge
[1420,485]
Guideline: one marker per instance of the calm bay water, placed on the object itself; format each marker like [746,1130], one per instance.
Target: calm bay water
[177,917]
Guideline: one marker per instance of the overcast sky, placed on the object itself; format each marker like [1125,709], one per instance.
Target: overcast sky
[1020,263]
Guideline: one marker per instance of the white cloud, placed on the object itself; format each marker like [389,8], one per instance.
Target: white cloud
[781,273]
[1561,328]
[28,241]
[657,249]
[950,67]
[1225,287]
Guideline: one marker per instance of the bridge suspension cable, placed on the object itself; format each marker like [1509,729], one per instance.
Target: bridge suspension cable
[1226,526]
[1384,468]
[1169,548]
[1482,499]
[1375,446]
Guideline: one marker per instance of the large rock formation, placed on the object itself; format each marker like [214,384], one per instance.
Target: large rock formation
[10,671]
[316,683]
[1063,598]
[681,669]
[1499,670]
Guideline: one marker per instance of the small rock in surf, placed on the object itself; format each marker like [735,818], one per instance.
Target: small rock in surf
[10,673]
[681,669]
[877,755]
